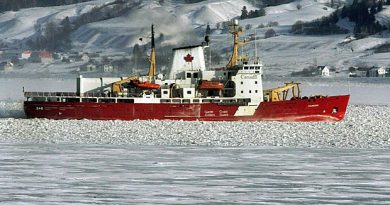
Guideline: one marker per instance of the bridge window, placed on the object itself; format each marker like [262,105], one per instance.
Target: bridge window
[196,75]
[188,75]
[126,100]
[165,92]
[189,92]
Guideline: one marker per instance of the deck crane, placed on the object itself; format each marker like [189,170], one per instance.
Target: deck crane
[272,95]
[117,87]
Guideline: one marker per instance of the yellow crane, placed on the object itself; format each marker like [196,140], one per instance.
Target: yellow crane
[274,94]
[117,87]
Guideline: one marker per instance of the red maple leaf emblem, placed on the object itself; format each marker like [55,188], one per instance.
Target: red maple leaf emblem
[188,58]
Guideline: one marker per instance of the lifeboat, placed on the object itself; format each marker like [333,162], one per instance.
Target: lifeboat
[146,85]
[209,85]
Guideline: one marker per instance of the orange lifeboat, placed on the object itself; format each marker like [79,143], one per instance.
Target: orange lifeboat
[146,85]
[209,85]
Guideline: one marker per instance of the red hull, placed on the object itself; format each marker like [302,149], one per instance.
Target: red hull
[321,109]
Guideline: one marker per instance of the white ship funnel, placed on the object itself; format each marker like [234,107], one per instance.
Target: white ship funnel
[189,58]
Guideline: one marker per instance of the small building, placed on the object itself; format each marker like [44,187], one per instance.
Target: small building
[88,68]
[26,55]
[6,66]
[84,57]
[46,57]
[358,72]
[108,68]
[323,71]
[377,72]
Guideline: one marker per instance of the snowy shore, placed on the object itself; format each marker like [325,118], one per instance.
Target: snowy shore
[365,126]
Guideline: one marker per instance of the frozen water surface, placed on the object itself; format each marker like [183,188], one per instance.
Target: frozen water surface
[174,162]
[111,174]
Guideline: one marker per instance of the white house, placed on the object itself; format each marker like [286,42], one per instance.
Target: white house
[26,55]
[108,68]
[377,72]
[323,70]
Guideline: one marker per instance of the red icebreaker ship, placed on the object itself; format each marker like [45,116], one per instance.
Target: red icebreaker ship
[188,92]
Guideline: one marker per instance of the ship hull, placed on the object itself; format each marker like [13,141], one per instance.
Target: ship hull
[306,110]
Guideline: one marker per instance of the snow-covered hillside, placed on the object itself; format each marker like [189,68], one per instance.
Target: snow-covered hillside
[184,24]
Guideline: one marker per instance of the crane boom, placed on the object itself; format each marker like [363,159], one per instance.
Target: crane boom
[117,87]
[274,94]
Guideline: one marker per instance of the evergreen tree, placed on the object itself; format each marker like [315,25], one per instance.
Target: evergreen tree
[208,30]
[244,13]
[380,6]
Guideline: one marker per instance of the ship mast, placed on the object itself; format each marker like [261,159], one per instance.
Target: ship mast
[152,68]
[235,30]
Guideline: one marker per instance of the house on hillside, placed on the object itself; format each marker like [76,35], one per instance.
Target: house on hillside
[26,55]
[108,68]
[46,57]
[323,71]
[89,67]
[84,57]
[358,72]
[6,66]
[377,72]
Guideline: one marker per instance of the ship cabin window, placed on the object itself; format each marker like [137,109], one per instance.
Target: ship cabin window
[196,75]
[189,92]
[89,100]
[195,100]
[242,82]
[224,73]
[176,101]
[109,100]
[126,100]
[245,68]
[166,84]
[255,91]
[250,91]
[72,99]
[257,71]
[165,100]
[165,92]
[255,82]
[207,100]
[242,91]
[251,67]
[186,101]
[188,75]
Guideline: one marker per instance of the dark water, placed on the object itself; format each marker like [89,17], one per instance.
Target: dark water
[112,174]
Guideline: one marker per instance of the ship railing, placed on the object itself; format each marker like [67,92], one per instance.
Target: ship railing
[50,94]
[66,94]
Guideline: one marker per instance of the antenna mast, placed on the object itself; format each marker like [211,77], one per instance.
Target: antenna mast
[152,68]
[236,31]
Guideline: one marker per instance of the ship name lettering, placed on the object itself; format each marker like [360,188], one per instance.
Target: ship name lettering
[249,76]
